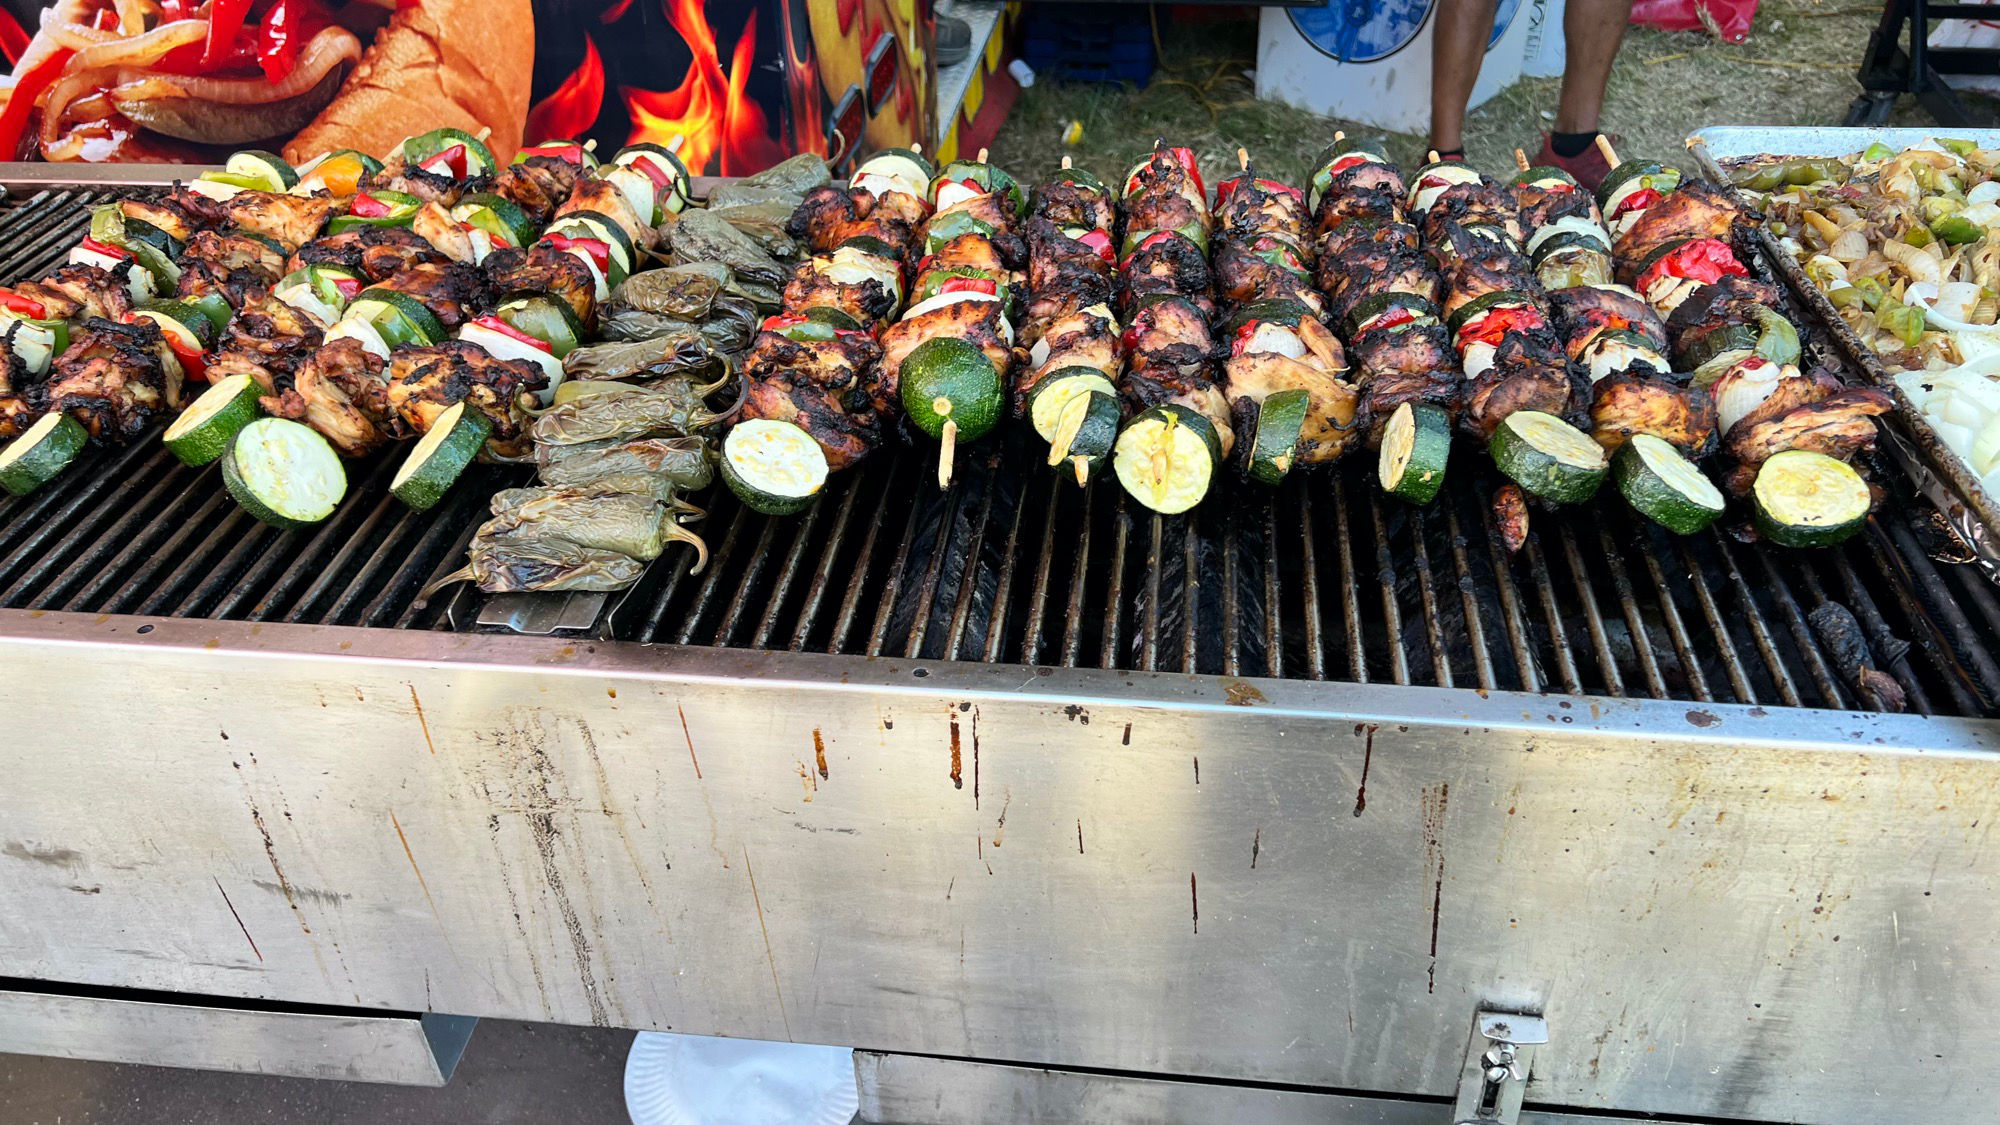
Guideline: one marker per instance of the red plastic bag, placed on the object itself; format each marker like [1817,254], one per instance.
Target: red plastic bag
[1728,18]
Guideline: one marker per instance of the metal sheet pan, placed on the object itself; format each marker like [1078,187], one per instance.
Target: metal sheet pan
[1943,478]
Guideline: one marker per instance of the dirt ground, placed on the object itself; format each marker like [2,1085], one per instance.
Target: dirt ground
[1797,67]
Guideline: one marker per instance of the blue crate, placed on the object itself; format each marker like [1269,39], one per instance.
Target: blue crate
[1089,42]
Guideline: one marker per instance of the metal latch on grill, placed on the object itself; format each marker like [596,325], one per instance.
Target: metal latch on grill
[1497,1062]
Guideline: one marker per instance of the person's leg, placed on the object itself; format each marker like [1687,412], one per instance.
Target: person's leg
[1458,46]
[1592,31]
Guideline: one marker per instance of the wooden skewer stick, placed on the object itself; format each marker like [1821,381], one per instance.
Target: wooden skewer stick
[1065,163]
[590,145]
[484,132]
[1243,158]
[1521,159]
[1432,156]
[982,156]
[1610,154]
[1339,135]
[917,147]
[674,144]
[947,448]
[1082,465]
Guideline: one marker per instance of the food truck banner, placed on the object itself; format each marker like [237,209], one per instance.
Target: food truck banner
[737,85]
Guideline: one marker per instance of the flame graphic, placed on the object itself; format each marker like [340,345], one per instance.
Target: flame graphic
[708,111]
[808,115]
[571,108]
[615,12]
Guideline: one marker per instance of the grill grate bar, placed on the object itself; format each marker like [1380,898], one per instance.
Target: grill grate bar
[718,566]
[1073,628]
[1726,651]
[996,622]
[457,524]
[1881,640]
[1593,617]
[1114,597]
[1350,601]
[1475,625]
[1642,639]
[1802,636]
[760,555]
[1315,639]
[1977,672]
[1392,611]
[1519,638]
[1232,613]
[969,561]
[1191,596]
[129,595]
[50,513]
[947,533]
[767,627]
[1433,623]
[1149,632]
[137,518]
[1531,551]
[1038,598]
[835,540]
[1760,631]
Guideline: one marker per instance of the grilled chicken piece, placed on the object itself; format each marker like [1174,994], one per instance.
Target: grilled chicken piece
[1153,181]
[544,269]
[447,235]
[425,381]
[1244,272]
[1405,271]
[1251,209]
[537,185]
[1731,299]
[1627,403]
[1527,374]
[234,265]
[1405,363]
[1162,210]
[1693,210]
[1369,177]
[17,410]
[1051,253]
[289,220]
[1481,203]
[431,187]
[829,216]
[1170,266]
[1539,206]
[1839,426]
[1064,297]
[811,287]
[267,339]
[976,322]
[1510,517]
[175,213]
[116,379]
[976,251]
[994,208]
[1479,267]
[1086,337]
[1364,205]
[1365,240]
[1064,204]
[1170,336]
[341,391]
[372,252]
[453,291]
[1583,311]
[605,198]
[846,432]
[77,291]
[842,363]
[1331,402]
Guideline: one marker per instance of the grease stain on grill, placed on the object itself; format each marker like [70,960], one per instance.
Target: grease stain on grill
[1242,694]
[1256,845]
[957,758]
[819,753]
[1703,719]
[1194,901]
[1126,740]
[1077,714]
[1436,799]
[1367,733]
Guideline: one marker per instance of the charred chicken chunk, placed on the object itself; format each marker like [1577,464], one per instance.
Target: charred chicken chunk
[372,252]
[116,379]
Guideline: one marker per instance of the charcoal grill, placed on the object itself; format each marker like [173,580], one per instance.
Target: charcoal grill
[1237,749]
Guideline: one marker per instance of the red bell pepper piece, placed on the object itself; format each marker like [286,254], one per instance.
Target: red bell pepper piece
[1706,260]
[1490,328]
[26,306]
[1637,201]
[1351,160]
[969,285]
[225,19]
[598,249]
[1390,319]
[447,162]
[104,248]
[193,363]
[1099,242]
[495,324]
[287,27]
[570,153]
[369,207]
[655,171]
[348,287]
[28,91]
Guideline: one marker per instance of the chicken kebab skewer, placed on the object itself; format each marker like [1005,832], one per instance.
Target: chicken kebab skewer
[1653,422]
[1382,290]
[1180,432]
[1285,372]
[1793,435]
[1068,388]
[814,402]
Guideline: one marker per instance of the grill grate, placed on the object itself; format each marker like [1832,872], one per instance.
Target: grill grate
[1322,579]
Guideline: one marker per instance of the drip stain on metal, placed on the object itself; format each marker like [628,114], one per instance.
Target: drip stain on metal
[1320,579]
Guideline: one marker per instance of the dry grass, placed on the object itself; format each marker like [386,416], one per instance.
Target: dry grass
[1796,68]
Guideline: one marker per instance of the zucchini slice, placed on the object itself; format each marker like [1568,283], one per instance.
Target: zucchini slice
[549,319]
[774,467]
[437,461]
[1804,499]
[1056,390]
[38,456]
[1666,487]
[1086,432]
[267,168]
[1275,448]
[1166,458]
[401,318]
[283,473]
[1416,444]
[1548,457]
[947,380]
[204,430]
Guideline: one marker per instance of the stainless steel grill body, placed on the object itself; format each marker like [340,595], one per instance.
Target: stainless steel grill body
[1024,773]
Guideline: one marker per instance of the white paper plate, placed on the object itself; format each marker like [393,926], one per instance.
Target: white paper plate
[699,1080]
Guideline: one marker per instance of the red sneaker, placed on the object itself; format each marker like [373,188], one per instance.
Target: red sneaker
[1588,167]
